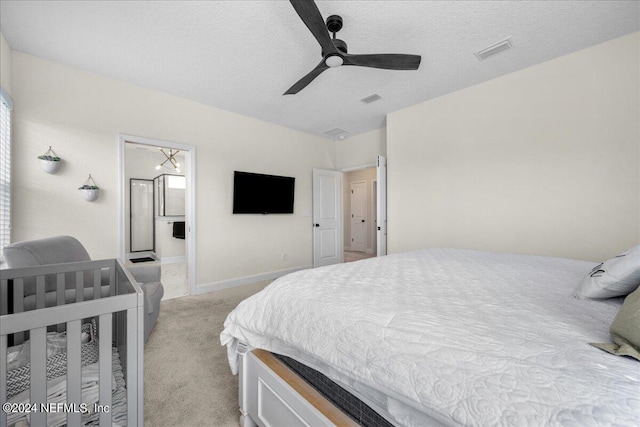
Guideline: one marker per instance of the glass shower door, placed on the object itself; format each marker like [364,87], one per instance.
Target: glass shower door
[142,235]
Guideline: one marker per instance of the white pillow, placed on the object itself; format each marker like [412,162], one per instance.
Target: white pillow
[617,276]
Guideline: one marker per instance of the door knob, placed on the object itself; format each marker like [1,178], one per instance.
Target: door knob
[317,225]
[378,228]
[363,220]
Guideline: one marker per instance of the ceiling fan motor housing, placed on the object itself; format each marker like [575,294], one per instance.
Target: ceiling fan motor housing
[341,45]
[334,23]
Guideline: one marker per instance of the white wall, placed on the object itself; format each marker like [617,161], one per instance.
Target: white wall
[368,176]
[5,65]
[168,248]
[81,114]
[543,161]
[361,150]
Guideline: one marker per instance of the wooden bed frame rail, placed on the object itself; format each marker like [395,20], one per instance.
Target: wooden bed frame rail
[271,394]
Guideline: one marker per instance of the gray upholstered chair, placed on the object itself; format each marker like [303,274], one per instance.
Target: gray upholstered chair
[62,249]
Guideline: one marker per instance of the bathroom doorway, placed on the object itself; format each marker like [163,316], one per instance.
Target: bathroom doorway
[156,210]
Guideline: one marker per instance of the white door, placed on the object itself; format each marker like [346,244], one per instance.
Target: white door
[327,217]
[382,206]
[359,216]
[374,214]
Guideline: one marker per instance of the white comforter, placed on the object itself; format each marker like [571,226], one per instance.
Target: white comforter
[451,336]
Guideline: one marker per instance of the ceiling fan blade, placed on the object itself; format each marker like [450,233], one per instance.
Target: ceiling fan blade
[303,82]
[310,15]
[388,61]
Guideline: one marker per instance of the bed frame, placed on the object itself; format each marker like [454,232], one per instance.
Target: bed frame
[120,317]
[271,394]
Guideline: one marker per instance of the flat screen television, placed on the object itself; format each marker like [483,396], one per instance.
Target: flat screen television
[255,193]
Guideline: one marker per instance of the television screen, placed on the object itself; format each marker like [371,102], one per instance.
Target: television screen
[255,193]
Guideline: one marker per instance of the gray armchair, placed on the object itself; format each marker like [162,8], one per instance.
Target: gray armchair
[62,249]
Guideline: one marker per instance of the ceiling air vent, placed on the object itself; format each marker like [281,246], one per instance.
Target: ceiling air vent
[493,49]
[371,98]
[336,133]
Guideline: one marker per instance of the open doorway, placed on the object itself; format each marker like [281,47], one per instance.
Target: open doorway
[156,210]
[333,216]
[359,214]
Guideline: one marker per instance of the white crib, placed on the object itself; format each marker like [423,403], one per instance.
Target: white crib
[36,300]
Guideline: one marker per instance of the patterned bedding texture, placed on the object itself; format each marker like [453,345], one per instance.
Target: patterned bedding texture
[451,337]
[19,379]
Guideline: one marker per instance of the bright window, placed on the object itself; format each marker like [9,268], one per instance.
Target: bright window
[174,181]
[5,169]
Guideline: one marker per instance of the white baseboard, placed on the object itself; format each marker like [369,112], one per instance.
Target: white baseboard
[170,259]
[246,280]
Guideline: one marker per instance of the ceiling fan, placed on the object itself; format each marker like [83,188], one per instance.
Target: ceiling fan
[334,51]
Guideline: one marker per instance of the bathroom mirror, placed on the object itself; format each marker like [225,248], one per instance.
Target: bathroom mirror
[170,191]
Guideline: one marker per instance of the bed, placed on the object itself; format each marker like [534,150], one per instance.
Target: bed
[441,337]
[71,345]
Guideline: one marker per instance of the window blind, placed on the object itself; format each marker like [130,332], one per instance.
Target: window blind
[6,104]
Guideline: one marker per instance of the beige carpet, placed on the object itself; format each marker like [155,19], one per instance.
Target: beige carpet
[187,380]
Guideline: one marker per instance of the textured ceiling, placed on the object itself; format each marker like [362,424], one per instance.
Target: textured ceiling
[242,55]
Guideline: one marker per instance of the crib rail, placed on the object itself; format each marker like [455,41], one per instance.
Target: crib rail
[114,298]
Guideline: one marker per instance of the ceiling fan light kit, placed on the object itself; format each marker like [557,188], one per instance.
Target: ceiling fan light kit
[334,51]
[334,61]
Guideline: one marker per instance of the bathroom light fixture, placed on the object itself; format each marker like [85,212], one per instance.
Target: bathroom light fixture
[171,158]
